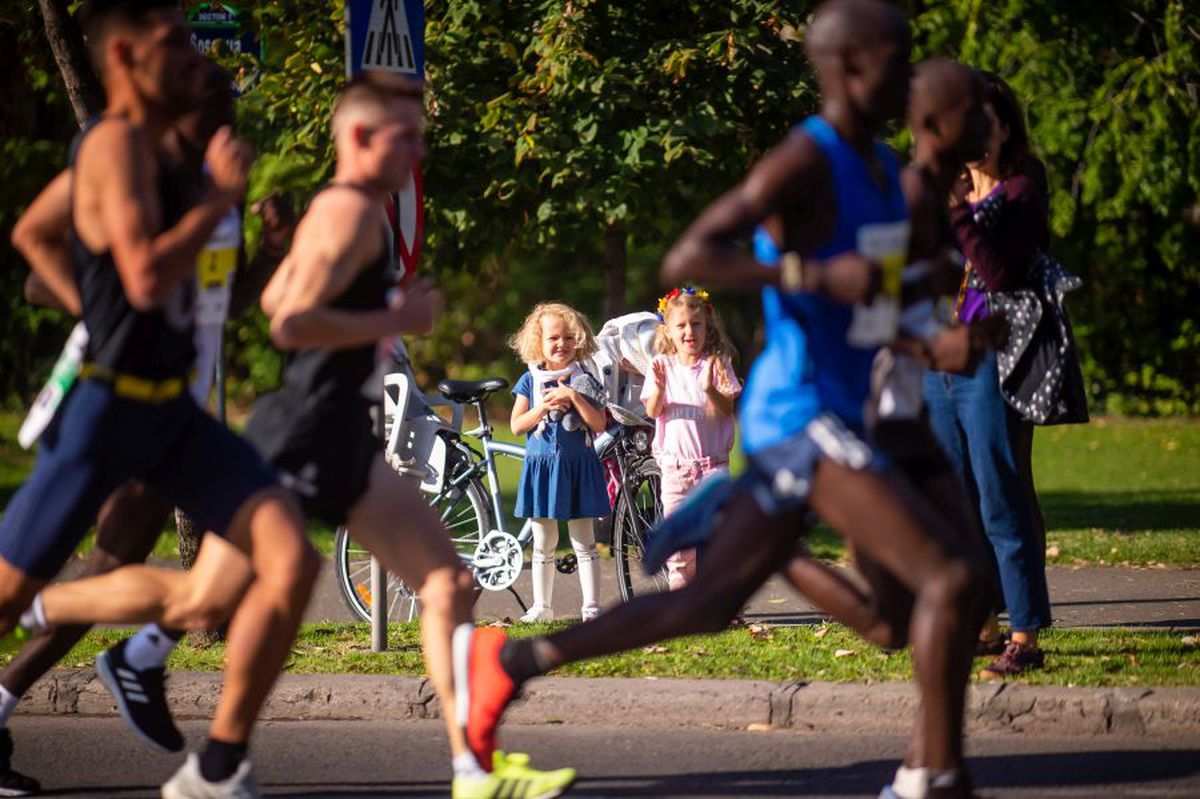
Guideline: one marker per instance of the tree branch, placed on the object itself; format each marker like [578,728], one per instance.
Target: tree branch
[66,41]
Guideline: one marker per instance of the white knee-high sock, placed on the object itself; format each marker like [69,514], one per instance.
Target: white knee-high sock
[583,541]
[545,541]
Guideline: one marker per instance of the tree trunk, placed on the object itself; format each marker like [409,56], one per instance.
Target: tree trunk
[615,263]
[189,547]
[66,41]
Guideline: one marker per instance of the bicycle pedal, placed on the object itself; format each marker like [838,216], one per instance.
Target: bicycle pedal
[567,564]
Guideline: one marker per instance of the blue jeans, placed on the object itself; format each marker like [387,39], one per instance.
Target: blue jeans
[975,427]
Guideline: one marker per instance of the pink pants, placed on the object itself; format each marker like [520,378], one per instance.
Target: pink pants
[679,476]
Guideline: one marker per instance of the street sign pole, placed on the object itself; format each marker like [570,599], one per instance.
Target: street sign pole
[389,35]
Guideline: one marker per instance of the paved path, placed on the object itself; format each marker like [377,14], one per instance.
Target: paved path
[1096,596]
[95,757]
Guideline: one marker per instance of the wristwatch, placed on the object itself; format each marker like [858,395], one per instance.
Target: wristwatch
[791,271]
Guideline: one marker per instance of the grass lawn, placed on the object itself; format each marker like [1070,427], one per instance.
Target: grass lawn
[828,653]
[1116,491]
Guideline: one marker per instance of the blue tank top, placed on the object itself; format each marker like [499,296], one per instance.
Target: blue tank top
[818,353]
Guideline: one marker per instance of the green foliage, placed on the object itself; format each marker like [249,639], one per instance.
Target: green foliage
[1112,104]
[552,123]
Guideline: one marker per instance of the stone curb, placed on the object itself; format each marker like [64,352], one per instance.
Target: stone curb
[733,704]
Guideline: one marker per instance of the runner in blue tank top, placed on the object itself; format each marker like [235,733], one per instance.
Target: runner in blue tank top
[831,196]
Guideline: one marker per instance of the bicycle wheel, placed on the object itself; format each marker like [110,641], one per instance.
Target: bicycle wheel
[463,510]
[637,509]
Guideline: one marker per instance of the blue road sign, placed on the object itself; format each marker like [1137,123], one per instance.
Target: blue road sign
[387,35]
[220,22]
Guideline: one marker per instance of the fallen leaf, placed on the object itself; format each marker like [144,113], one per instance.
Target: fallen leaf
[759,727]
[654,649]
[843,653]
[501,623]
[821,632]
[1189,640]
[1053,551]
[776,601]
[759,632]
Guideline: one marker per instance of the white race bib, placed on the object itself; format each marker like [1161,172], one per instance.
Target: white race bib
[887,245]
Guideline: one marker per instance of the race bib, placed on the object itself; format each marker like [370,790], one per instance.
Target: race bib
[215,269]
[887,245]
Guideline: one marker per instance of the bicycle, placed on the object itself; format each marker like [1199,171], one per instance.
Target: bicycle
[462,483]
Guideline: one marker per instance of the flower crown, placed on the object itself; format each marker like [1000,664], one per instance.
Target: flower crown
[665,300]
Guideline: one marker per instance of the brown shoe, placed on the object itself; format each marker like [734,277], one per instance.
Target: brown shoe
[991,646]
[1014,661]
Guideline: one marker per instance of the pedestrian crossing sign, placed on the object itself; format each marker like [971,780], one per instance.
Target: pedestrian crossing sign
[387,35]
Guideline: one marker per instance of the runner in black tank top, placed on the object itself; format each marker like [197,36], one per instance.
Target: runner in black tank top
[317,429]
[130,415]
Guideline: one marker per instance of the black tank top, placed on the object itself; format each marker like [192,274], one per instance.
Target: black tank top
[156,344]
[320,375]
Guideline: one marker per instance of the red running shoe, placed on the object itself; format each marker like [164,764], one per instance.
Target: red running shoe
[482,689]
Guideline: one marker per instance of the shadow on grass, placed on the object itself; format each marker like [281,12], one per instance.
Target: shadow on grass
[1123,511]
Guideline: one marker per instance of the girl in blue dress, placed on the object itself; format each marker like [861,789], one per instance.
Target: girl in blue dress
[558,405]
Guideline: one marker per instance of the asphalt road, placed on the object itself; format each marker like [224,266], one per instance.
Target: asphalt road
[98,757]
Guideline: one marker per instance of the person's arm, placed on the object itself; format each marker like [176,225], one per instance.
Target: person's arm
[40,235]
[340,234]
[709,251]
[1001,255]
[524,417]
[654,389]
[719,388]
[116,169]
[592,416]
[279,222]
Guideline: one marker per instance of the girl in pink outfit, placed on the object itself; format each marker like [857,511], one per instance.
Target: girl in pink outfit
[689,393]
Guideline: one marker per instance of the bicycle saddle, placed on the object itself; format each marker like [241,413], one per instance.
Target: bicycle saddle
[468,391]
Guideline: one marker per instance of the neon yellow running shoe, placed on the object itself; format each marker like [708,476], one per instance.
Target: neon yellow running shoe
[512,778]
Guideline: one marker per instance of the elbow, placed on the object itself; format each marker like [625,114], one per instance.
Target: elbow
[22,237]
[284,334]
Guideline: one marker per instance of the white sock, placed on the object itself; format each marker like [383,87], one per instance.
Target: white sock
[149,648]
[583,541]
[467,767]
[911,783]
[8,703]
[545,541]
[34,618]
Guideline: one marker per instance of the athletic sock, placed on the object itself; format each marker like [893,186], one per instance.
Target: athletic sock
[911,783]
[8,703]
[467,767]
[34,618]
[519,659]
[150,647]
[220,759]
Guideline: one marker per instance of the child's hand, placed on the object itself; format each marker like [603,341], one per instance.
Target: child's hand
[659,369]
[708,377]
[561,398]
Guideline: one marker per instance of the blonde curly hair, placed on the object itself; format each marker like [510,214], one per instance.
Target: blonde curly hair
[716,340]
[527,342]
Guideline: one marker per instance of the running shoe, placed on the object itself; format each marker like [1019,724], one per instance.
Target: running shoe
[482,689]
[141,699]
[13,783]
[189,783]
[511,777]
[689,525]
[956,786]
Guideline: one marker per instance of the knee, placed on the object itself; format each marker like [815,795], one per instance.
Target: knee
[200,611]
[446,588]
[956,585]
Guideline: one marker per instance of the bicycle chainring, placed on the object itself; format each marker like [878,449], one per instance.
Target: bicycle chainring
[498,561]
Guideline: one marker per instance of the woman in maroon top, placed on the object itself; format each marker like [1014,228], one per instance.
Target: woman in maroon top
[1000,220]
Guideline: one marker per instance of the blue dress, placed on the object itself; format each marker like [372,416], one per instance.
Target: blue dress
[562,478]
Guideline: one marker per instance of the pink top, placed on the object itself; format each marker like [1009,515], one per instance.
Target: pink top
[685,428]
